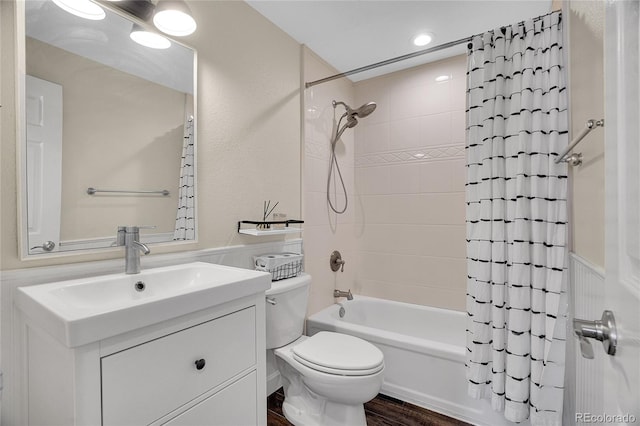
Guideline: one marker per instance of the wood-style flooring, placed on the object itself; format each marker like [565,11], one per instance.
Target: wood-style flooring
[381,411]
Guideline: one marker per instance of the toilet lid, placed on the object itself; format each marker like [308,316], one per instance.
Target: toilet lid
[337,353]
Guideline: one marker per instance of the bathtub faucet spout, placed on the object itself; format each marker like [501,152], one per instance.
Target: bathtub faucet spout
[347,294]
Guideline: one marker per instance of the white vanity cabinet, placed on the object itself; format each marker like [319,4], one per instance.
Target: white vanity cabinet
[205,368]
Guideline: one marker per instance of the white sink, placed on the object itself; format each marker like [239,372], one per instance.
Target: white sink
[87,310]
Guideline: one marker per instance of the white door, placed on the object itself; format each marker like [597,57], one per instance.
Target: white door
[44,162]
[622,283]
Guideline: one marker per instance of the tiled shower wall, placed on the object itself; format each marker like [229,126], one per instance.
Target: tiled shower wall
[325,231]
[409,178]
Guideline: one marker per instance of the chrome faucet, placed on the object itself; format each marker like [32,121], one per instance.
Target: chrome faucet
[128,237]
[347,294]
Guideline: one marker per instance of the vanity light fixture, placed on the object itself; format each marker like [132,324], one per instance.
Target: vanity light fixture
[174,17]
[86,9]
[422,39]
[148,38]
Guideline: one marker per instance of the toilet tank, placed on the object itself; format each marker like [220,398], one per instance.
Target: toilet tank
[285,318]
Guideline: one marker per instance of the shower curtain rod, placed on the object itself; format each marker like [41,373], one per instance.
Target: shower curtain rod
[389,61]
[404,57]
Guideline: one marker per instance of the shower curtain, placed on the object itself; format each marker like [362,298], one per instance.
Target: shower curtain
[517,219]
[185,218]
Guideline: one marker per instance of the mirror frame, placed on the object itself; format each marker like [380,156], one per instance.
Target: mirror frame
[21,137]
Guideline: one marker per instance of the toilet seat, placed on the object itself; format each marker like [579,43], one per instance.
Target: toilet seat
[339,354]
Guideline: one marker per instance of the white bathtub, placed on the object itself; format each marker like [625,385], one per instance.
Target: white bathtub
[424,351]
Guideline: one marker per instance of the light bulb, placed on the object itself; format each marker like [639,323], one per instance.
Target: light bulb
[148,38]
[173,17]
[83,8]
[422,39]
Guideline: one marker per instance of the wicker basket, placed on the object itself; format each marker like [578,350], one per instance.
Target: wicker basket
[280,265]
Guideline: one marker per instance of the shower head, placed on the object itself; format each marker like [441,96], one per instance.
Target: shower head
[361,112]
[364,110]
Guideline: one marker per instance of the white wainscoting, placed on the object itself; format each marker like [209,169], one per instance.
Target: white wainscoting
[583,391]
[239,256]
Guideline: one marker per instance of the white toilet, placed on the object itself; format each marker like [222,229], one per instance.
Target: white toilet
[326,377]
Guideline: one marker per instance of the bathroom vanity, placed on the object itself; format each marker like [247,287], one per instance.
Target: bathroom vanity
[198,365]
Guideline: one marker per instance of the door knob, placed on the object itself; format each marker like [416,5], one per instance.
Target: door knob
[603,330]
[47,246]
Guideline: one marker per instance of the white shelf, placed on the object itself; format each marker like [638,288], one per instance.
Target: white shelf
[257,228]
[259,232]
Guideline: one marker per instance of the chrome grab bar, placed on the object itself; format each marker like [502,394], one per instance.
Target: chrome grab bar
[576,159]
[93,191]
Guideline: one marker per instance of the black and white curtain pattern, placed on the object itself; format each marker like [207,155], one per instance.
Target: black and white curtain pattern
[517,219]
[185,218]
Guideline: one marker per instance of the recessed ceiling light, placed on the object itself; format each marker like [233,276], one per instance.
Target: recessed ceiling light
[443,78]
[148,38]
[173,17]
[422,39]
[83,8]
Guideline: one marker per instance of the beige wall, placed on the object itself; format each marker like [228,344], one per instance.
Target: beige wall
[325,231]
[248,129]
[112,139]
[410,174]
[586,79]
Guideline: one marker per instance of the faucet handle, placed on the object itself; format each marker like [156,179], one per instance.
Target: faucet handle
[120,236]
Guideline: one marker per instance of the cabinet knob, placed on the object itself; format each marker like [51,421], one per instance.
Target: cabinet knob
[200,364]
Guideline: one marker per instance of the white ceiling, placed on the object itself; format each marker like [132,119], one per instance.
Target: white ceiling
[353,33]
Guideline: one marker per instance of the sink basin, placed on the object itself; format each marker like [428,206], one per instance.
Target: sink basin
[87,310]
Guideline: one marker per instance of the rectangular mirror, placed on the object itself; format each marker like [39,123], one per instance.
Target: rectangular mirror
[108,132]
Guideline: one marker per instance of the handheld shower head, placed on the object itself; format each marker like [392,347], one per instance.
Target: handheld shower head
[351,122]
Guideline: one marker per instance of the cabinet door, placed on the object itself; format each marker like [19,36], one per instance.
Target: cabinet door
[234,405]
[146,382]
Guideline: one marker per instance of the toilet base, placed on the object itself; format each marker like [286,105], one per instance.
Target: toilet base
[313,398]
[304,407]
[316,412]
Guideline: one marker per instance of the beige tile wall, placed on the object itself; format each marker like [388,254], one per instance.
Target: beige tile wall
[409,181]
[325,231]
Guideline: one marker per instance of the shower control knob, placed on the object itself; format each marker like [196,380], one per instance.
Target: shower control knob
[336,262]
